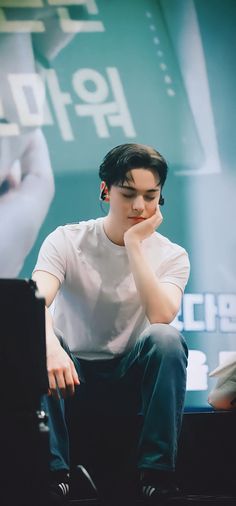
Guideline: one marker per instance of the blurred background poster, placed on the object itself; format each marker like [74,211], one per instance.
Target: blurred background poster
[79,77]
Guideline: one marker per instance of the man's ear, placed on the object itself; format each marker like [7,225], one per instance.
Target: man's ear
[104,192]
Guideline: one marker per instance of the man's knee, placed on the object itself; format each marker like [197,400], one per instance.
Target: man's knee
[166,339]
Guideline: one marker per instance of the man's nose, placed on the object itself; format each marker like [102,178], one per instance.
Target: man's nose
[138,203]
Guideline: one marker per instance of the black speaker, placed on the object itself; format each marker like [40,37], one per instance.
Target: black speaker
[24,435]
[23,373]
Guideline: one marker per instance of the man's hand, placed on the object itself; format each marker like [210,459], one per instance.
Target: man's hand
[144,229]
[62,374]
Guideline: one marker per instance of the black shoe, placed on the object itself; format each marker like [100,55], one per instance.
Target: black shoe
[59,487]
[157,487]
[82,484]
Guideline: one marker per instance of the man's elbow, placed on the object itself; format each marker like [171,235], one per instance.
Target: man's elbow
[166,316]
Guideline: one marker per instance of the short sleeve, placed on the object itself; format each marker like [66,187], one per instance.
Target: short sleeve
[177,269]
[52,255]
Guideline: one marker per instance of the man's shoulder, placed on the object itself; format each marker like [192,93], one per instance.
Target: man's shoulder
[74,228]
[166,244]
[77,235]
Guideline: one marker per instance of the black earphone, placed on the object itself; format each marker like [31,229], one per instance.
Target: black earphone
[102,195]
[161,201]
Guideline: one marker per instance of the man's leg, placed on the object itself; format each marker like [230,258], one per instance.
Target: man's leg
[58,433]
[55,409]
[160,358]
[59,441]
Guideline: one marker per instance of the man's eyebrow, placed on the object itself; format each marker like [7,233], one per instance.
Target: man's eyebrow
[126,187]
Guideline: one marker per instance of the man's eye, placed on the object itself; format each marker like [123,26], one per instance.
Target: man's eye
[127,195]
[131,195]
[149,198]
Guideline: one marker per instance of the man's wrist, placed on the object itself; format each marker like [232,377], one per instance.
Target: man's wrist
[132,243]
[52,343]
[129,239]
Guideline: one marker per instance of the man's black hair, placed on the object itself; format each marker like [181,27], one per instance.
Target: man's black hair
[125,157]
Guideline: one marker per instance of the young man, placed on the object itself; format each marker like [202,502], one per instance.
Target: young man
[117,284]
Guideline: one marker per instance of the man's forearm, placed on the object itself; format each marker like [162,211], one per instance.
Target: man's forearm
[52,341]
[158,306]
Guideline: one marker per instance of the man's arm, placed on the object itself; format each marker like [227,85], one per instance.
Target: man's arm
[62,374]
[161,301]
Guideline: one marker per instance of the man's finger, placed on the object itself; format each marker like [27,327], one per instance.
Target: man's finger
[70,387]
[60,379]
[53,385]
[74,374]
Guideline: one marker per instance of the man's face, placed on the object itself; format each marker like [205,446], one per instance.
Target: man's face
[134,200]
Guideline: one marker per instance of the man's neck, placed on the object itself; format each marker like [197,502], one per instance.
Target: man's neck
[111,232]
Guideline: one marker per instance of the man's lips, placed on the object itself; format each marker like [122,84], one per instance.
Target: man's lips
[136,218]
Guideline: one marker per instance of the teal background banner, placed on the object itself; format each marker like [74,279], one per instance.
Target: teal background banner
[79,77]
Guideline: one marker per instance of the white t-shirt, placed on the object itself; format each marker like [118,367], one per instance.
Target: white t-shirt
[97,309]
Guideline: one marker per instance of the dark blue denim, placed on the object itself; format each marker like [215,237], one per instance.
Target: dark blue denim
[153,375]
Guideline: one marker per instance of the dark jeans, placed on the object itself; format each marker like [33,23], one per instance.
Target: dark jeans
[154,375]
